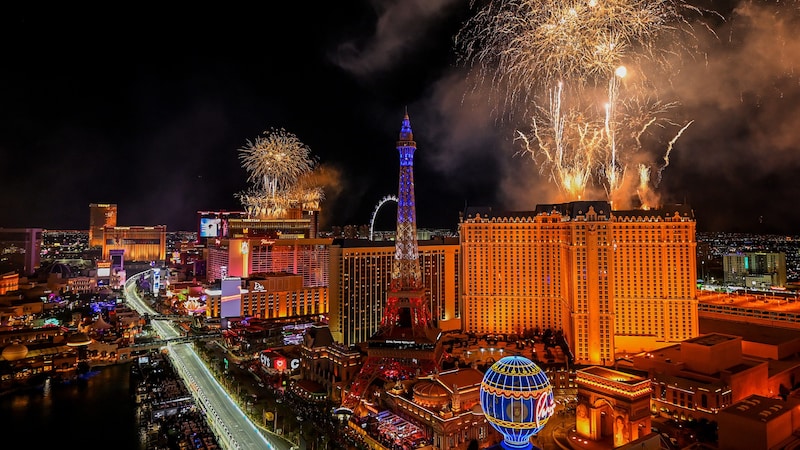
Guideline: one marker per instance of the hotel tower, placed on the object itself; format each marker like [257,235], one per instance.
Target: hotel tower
[611,281]
[101,215]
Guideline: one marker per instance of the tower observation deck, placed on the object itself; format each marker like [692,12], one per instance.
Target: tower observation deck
[407,343]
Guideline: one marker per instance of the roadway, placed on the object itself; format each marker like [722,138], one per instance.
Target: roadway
[234,430]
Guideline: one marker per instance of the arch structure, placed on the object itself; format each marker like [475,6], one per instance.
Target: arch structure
[613,406]
[383,201]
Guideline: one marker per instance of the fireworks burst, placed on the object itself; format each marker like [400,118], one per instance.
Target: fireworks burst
[276,160]
[583,71]
[281,170]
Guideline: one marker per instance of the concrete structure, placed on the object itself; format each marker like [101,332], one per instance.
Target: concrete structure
[9,282]
[775,309]
[756,270]
[611,280]
[242,257]
[760,422]
[612,405]
[758,341]
[699,377]
[101,215]
[780,347]
[327,362]
[439,411]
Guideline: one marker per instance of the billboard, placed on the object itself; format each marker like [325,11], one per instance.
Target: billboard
[231,297]
[210,227]
[214,224]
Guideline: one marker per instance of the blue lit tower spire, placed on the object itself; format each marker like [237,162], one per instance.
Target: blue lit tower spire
[406,312]
[405,270]
[407,343]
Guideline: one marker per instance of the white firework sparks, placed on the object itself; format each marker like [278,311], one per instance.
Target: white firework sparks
[276,160]
[281,170]
[579,69]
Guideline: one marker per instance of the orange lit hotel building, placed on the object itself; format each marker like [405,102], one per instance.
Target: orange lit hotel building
[138,243]
[267,296]
[612,281]
[100,215]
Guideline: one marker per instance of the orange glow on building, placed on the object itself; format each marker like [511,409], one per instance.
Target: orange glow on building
[101,215]
[139,243]
[9,282]
[612,281]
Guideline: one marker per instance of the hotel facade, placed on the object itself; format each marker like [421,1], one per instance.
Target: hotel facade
[137,243]
[242,257]
[101,215]
[611,281]
[360,276]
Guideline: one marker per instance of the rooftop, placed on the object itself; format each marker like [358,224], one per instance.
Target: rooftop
[761,334]
[759,301]
[765,409]
[710,340]
[615,375]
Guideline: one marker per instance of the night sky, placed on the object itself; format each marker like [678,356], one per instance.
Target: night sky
[148,109]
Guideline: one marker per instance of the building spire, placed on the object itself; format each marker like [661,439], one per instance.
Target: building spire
[405,270]
[407,343]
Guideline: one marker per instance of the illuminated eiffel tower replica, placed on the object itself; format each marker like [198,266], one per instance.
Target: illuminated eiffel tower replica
[407,343]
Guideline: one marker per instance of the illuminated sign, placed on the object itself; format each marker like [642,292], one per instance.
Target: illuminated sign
[210,227]
[265,360]
[545,407]
[245,247]
[294,364]
[156,281]
[272,360]
[258,287]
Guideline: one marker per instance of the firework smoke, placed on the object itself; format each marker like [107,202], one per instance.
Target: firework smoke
[581,72]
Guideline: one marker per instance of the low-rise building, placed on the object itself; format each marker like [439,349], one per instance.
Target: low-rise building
[699,377]
[759,422]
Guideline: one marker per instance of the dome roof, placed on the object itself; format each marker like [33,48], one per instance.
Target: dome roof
[429,393]
[15,351]
[61,268]
[78,339]
[430,389]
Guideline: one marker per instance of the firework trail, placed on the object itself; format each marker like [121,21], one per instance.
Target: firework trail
[602,57]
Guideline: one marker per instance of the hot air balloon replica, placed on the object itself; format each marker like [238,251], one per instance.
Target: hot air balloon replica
[517,398]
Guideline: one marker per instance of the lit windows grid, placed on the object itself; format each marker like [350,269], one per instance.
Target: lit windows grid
[640,282]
